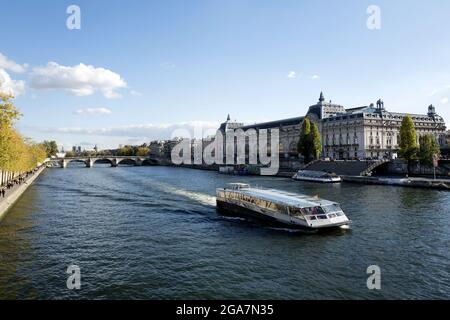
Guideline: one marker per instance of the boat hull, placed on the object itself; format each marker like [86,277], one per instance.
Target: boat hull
[236,210]
[334,180]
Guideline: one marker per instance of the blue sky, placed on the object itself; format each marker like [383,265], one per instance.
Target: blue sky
[168,64]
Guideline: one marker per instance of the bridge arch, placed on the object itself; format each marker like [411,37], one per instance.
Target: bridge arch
[70,162]
[149,162]
[103,161]
[127,162]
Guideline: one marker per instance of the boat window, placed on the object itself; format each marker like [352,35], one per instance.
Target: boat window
[312,218]
[332,215]
[316,210]
[331,208]
[322,217]
[295,211]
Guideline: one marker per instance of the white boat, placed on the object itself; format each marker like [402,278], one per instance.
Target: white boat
[281,208]
[316,176]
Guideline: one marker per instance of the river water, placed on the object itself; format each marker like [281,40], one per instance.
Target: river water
[154,233]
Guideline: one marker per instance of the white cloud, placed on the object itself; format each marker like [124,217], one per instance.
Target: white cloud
[10,86]
[444,100]
[315,77]
[79,80]
[10,65]
[144,131]
[93,111]
[292,75]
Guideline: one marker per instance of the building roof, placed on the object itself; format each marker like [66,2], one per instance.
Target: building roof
[274,124]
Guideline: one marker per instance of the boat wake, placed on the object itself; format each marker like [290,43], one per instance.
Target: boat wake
[290,230]
[233,218]
[202,198]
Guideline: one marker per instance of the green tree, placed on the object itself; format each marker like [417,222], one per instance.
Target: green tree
[51,147]
[70,154]
[428,147]
[309,143]
[316,142]
[304,142]
[408,144]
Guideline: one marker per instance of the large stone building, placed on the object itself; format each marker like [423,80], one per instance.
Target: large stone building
[364,132]
[446,147]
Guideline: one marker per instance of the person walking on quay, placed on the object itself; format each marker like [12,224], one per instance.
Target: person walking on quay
[3,192]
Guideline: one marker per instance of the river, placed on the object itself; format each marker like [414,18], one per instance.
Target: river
[154,233]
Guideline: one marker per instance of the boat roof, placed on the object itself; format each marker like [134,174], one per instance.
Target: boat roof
[285,198]
[318,174]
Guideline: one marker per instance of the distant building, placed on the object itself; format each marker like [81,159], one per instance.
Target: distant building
[363,132]
[76,149]
[445,148]
[156,148]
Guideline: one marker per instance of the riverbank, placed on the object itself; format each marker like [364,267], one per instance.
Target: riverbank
[441,184]
[12,195]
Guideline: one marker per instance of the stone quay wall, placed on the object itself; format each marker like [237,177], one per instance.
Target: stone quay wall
[13,195]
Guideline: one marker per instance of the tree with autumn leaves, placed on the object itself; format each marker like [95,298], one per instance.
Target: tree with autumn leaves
[17,154]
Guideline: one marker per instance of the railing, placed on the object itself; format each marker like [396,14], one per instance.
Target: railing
[311,163]
[373,166]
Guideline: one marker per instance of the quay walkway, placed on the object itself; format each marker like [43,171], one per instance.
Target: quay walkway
[14,193]
[414,182]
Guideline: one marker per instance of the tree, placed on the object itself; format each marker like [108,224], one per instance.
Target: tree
[51,147]
[17,155]
[316,142]
[408,144]
[125,151]
[428,147]
[142,151]
[70,154]
[304,142]
[309,144]
[8,112]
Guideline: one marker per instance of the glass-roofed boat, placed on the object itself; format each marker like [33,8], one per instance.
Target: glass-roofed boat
[317,176]
[280,207]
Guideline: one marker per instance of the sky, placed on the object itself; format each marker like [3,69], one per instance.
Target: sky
[138,70]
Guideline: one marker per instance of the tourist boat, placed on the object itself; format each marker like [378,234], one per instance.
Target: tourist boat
[281,208]
[316,176]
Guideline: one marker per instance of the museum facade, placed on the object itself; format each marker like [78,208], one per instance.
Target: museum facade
[367,132]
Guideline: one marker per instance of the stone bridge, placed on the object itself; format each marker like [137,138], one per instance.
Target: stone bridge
[113,160]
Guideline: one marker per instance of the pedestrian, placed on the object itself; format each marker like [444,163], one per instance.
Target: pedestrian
[3,192]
